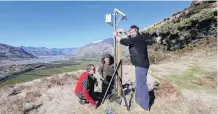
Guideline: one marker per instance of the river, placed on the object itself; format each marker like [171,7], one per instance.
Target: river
[35,60]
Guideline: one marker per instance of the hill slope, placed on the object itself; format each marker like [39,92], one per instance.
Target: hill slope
[93,49]
[96,49]
[10,52]
[185,27]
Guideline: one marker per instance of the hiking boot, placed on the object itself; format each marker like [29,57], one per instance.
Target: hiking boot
[82,101]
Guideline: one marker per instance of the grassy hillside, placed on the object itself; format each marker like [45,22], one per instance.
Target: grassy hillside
[29,76]
[185,27]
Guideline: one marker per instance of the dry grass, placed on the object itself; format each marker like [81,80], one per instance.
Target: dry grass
[171,100]
[167,90]
[206,82]
[193,67]
[32,96]
[198,107]
[156,57]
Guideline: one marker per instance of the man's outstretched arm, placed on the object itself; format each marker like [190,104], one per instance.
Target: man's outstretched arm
[127,41]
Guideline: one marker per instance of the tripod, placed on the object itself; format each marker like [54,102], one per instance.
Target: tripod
[120,84]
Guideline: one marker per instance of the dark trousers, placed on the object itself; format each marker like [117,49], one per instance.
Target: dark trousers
[105,85]
[94,95]
[141,92]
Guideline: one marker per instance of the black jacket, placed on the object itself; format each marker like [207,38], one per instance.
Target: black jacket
[138,50]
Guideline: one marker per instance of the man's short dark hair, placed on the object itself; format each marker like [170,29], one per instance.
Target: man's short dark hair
[134,27]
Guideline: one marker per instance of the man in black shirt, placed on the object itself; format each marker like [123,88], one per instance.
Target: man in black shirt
[139,58]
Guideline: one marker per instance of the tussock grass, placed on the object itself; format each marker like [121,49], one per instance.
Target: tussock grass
[195,77]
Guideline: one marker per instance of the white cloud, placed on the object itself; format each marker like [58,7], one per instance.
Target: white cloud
[97,41]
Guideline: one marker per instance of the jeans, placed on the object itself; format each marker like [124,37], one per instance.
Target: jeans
[141,91]
[106,84]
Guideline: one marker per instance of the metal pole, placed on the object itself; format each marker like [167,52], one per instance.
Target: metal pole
[115,51]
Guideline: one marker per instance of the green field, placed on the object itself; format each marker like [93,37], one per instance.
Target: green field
[29,76]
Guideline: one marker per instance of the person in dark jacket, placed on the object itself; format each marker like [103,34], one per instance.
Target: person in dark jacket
[85,86]
[139,58]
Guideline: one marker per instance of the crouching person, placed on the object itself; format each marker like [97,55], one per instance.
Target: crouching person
[85,86]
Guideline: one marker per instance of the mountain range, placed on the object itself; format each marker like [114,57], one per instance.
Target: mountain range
[43,51]
[90,50]
[11,52]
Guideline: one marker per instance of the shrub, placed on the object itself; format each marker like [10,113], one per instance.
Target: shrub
[165,26]
[206,14]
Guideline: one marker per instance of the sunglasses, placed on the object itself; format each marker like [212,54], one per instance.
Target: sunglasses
[93,69]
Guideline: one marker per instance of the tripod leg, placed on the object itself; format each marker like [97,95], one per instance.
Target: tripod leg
[124,97]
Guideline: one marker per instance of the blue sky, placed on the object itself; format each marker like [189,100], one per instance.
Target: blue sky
[74,24]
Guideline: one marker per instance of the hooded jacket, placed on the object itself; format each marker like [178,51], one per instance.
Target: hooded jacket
[82,88]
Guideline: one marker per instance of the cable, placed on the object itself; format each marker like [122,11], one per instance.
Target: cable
[118,20]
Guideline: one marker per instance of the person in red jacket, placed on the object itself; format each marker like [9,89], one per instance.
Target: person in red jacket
[85,85]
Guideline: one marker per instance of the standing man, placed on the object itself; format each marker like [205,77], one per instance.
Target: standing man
[139,58]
